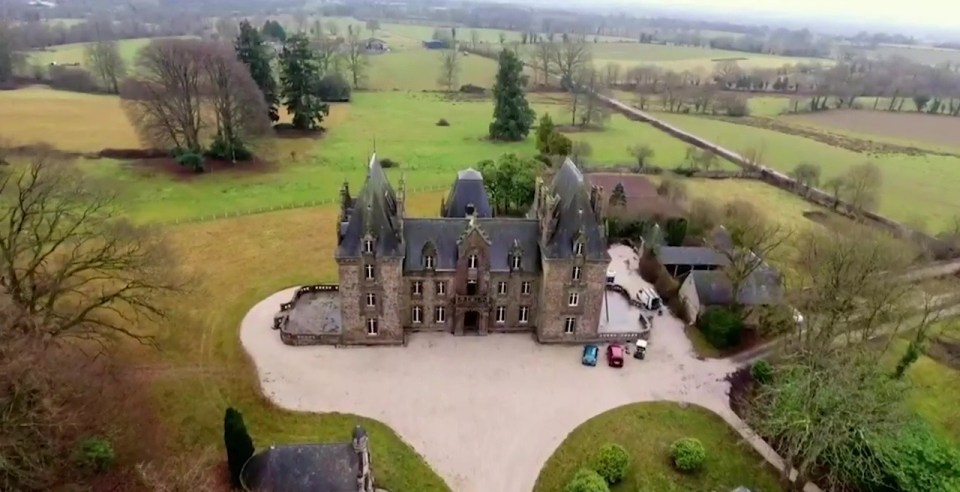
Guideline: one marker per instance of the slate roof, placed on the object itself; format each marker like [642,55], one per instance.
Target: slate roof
[468,189]
[573,216]
[444,233]
[303,468]
[374,211]
[686,255]
[762,288]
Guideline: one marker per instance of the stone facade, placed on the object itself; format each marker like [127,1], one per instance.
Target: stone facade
[467,273]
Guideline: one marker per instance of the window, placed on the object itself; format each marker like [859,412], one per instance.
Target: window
[441,288]
[525,288]
[524,314]
[502,288]
[371,299]
[440,315]
[516,262]
[570,326]
[428,262]
[501,314]
[578,248]
[577,271]
[472,261]
[372,328]
[574,298]
[416,288]
[368,269]
[472,287]
[368,246]
[417,314]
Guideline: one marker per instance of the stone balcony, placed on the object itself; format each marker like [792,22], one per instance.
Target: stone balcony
[477,301]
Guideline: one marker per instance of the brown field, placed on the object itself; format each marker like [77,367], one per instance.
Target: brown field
[916,127]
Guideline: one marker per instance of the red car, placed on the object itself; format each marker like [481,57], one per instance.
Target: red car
[615,355]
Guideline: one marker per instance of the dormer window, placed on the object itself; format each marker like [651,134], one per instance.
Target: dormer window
[578,248]
[472,261]
[368,246]
[516,262]
[470,209]
[428,262]
[368,272]
[577,273]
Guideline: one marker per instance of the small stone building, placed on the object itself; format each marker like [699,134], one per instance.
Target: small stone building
[328,467]
[469,272]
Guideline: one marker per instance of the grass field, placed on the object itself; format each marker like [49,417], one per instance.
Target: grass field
[920,54]
[934,394]
[647,430]
[419,69]
[201,367]
[680,58]
[921,129]
[73,53]
[914,187]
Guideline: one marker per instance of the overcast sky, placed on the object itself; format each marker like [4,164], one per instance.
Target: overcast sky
[933,13]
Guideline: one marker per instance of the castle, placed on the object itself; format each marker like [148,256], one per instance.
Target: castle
[468,271]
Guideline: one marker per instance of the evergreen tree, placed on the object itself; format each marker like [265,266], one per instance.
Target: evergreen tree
[238,443]
[273,30]
[252,51]
[300,78]
[544,131]
[512,116]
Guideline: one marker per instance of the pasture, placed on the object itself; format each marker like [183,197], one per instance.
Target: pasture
[921,54]
[419,69]
[646,430]
[201,367]
[73,53]
[919,128]
[916,188]
[681,58]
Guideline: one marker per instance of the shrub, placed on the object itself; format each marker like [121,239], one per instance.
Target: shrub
[722,327]
[235,151]
[443,122]
[612,463]
[72,79]
[387,163]
[559,144]
[334,88]
[587,480]
[762,371]
[688,454]
[916,459]
[96,453]
[193,160]
[676,231]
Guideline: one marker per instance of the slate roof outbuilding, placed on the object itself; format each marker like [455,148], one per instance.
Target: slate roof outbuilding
[303,468]
[691,255]
[762,288]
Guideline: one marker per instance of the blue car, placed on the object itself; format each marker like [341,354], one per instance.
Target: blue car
[590,355]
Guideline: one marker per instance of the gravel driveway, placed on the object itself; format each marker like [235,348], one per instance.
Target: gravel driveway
[485,412]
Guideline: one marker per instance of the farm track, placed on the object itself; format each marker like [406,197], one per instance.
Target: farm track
[859,145]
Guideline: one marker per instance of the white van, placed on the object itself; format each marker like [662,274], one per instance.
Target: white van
[649,299]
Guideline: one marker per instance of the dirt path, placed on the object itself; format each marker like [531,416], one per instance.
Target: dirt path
[512,399]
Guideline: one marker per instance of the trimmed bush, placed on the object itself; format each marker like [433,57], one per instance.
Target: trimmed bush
[192,160]
[688,454]
[612,463]
[443,122]
[587,480]
[762,371]
[96,454]
[334,88]
[387,163]
[722,327]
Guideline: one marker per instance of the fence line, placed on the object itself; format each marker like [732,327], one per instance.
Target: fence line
[277,208]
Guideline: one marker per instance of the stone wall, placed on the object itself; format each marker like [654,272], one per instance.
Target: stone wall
[428,300]
[557,284]
[349,271]
[513,299]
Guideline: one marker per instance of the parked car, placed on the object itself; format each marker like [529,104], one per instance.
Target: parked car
[590,355]
[649,300]
[615,355]
[641,351]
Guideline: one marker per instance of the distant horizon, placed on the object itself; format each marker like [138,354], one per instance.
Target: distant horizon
[937,16]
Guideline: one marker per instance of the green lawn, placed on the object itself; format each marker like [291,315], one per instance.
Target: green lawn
[73,53]
[685,57]
[419,69]
[934,394]
[403,125]
[914,187]
[647,430]
[201,367]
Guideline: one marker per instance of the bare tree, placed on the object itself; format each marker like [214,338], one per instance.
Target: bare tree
[807,175]
[593,112]
[642,153]
[474,38]
[571,58]
[103,59]
[754,239]
[861,186]
[356,56]
[329,54]
[449,69]
[72,268]
[163,100]
[543,59]
[236,102]
[612,73]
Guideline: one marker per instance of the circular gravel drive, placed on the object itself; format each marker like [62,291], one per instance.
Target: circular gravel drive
[485,412]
